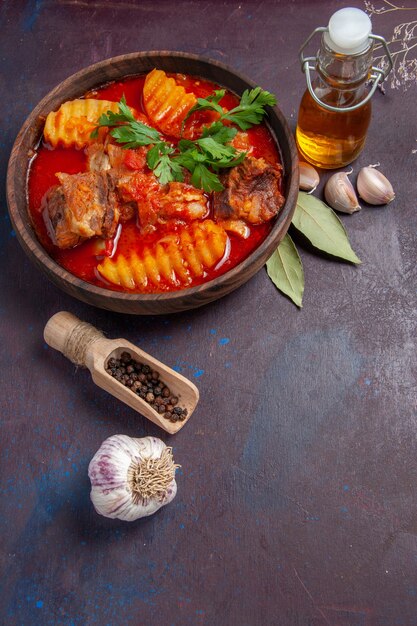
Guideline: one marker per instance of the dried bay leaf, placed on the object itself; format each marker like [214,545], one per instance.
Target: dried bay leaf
[321,226]
[285,270]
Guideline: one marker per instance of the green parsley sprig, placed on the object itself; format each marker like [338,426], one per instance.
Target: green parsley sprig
[210,151]
[249,111]
[126,129]
[159,159]
[204,158]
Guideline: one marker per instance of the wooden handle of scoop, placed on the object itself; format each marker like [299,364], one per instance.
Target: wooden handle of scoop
[66,333]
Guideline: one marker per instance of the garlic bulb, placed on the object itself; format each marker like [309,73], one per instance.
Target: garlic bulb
[309,178]
[132,478]
[374,187]
[340,194]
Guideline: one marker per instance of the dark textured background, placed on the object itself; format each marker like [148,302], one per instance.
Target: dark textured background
[297,495]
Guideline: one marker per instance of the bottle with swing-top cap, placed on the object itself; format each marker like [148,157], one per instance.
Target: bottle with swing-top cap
[335,110]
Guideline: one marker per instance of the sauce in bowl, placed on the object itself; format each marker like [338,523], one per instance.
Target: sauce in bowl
[84,259]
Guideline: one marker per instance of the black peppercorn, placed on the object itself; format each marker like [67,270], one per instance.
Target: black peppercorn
[146,383]
[125,357]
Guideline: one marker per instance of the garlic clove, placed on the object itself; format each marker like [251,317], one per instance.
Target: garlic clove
[340,194]
[374,187]
[309,177]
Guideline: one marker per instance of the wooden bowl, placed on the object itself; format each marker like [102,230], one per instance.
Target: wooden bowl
[115,69]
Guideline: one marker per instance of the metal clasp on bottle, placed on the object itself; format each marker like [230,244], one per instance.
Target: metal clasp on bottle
[378,75]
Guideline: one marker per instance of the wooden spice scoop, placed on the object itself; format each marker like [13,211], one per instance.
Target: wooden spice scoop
[87,347]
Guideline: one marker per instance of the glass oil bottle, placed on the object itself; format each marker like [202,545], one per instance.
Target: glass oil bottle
[335,110]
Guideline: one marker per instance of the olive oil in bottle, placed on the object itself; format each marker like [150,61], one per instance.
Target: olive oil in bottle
[335,110]
[328,139]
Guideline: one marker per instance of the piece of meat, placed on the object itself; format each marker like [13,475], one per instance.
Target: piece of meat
[159,204]
[237,227]
[241,142]
[142,189]
[97,159]
[252,192]
[136,186]
[120,165]
[103,157]
[83,206]
[182,201]
[116,156]
[58,219]
[128,210]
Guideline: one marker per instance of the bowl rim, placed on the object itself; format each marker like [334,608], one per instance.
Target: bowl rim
[62,274]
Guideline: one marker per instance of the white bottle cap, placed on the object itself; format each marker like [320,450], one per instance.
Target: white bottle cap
[349,31]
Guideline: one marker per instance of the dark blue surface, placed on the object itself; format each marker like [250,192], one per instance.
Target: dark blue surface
[296,498]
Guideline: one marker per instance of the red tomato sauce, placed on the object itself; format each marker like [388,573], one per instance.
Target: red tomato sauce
[82,260]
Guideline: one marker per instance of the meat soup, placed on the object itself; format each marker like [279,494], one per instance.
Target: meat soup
[146,186]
